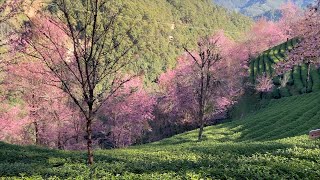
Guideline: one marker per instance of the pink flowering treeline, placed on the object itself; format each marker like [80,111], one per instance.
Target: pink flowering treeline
[41,98]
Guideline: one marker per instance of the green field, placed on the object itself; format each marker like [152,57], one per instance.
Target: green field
[271,143]
[297,83]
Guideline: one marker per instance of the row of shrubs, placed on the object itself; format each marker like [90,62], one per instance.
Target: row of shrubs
[297,78]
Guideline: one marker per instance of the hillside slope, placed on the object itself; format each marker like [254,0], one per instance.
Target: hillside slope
[164,26]
[270,143]
[297,77]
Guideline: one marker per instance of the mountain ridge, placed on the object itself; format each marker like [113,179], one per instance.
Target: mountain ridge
[259,8]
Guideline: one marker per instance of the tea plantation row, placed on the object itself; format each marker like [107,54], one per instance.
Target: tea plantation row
[271,143]
[297,78]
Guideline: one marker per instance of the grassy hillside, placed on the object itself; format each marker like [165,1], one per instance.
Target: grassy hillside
[270,143]
[297,77]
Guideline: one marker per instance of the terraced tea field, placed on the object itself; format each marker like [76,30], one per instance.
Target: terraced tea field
[271,143]
[297,82]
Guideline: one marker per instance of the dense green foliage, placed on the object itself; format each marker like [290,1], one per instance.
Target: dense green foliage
[297,78]
[268,144]
[164,26]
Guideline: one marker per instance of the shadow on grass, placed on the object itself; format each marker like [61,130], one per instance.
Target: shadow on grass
[208,160]
[205,158]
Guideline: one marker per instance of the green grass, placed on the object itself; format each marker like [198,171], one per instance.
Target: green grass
[271,143]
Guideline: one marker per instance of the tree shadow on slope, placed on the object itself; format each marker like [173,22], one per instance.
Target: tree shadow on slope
[175,140]
[209,160]
[32,160]
[206,158]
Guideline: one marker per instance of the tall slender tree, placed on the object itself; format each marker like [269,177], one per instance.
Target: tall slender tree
[83,46]
[210,84]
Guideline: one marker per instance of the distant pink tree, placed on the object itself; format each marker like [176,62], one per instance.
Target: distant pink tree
[307,51]
[264,84]
[202,84]
[48,113]
[291,15]
[128,113]
[12,123]
[176,87]
[263,35]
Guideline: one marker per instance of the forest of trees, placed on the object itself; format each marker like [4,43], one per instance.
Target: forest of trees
[109,74]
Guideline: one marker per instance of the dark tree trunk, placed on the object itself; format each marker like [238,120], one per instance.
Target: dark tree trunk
[77,138]
[201,127]
[60,146]
[60,143]
[89,135]
[201,106]
[36,129]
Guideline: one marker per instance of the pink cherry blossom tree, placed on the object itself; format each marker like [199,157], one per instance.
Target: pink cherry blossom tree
[47,110]
[263,35]
[88,61]
[291,15]
[307,51]
[264,84]
[12,123]
[128,113]
[202,84]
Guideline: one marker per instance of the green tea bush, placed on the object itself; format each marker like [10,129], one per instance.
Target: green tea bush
[256,68]
[297,78]
[261,64]
[268,67]
[315,80]
[276,93]
[276,80]
[272,57]
[284,92]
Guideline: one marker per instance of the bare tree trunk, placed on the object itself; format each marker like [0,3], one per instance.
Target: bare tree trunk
[36,129]
[89,134]
[77,138]
[201,126]
[60,143]
[60,146]
[201,104]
